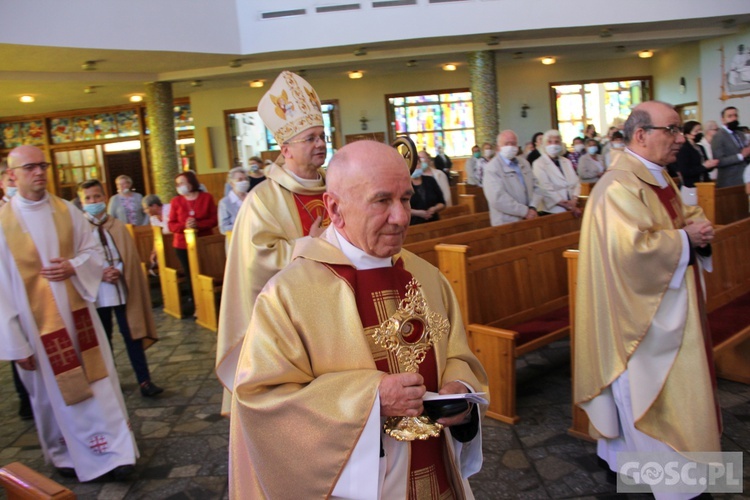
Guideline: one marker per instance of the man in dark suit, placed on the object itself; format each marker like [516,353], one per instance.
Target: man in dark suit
[731,149]
[442,162]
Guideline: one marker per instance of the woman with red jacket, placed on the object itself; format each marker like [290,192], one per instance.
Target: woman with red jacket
[193,209]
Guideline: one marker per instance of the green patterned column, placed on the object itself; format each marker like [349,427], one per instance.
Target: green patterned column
[483,86]
[164,161]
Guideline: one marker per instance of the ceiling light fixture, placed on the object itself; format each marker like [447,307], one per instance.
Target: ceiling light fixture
[136,98]
[256,84]
[645,54]
[493,40]
[90,90]
[27,98]
[196,83]
[356,75]
[235,63]
[411,63]
[89,66]
[548,60]
[449,67]
[362,51]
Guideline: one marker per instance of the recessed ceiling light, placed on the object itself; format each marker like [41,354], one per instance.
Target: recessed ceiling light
[362,51]
[256,84]
[645,54]
[548,60]
[449,67]
[89,65]
[196,83]
[235,63]
[136,98]
[356,75]
[90,90]
[411,63]
[27,98]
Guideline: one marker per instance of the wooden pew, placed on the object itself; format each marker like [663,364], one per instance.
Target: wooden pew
[207,257]
[514,301]
[586,188]
[23,483]
[722,205]
[214,183]
[478,192]
[727,306]
[144,242]
[495,238]
[445,227]
[169,276]
[455,211]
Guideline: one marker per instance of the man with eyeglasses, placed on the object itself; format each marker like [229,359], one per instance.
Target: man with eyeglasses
[50,269]
[275,215]
[643,370]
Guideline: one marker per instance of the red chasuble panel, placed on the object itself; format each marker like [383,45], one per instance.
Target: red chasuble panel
[310,207]
[378,293]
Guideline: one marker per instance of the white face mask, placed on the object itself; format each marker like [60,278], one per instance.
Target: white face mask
[579,148]
[508,152]
[553,149]
[183,189]
[124,190]
[618,145]
[241,186]
[487,153]
[592,150]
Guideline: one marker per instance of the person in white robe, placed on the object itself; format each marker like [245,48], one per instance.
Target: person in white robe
[88,436]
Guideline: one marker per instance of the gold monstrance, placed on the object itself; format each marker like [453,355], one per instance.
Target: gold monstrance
[392,335]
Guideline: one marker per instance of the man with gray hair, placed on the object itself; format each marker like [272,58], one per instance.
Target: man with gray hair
[643,367]
[559,183]
[509,184]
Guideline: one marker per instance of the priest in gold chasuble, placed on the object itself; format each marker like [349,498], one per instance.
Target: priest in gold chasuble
[316,381]
[275,214]
[50,270]
[643,360]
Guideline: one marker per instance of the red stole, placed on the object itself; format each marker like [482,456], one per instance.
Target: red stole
[673,205]
[310,207]
[378,293]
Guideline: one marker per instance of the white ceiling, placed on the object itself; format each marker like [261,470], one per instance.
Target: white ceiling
[55,77]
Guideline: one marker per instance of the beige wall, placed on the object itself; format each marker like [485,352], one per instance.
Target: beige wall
[518,82]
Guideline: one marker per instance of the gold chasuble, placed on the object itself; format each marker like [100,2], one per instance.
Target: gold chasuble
[630,249]
[309,372]
[73,375]
[378,293]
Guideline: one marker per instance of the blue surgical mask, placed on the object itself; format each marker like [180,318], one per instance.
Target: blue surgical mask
[11,191]
[95,208]
[425,165]
[592,150]
[417,173]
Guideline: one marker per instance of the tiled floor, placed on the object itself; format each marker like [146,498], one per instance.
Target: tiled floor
[183,440]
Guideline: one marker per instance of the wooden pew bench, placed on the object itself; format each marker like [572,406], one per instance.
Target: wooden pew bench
[722,205]
[479,198]
[22,482]
[144,242]
[208,258]
[495,238]
[170,272]
[727,307]
[445,227]
[455,211]
[513,301]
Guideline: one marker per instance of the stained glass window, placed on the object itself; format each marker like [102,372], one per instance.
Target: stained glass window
[435,119]
[599,103]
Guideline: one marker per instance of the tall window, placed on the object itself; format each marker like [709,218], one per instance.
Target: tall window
[441,118]
[601,103]
[249,137]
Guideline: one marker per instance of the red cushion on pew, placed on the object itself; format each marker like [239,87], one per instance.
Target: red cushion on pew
[541,326]
[729,319]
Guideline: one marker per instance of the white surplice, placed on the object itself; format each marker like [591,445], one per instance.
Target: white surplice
[92,436]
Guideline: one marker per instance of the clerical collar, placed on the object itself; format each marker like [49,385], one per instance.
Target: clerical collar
[656,170]
[31,204]
[361,260]
[308,183]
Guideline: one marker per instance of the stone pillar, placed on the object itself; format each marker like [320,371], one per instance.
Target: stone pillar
[164,161]
[483,86]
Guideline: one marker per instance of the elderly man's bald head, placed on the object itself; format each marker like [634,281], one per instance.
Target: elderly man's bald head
[507,137]
[368,189]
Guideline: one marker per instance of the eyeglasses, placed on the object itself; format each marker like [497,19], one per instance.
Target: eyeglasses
[30,167]
[311,140]
[672,129]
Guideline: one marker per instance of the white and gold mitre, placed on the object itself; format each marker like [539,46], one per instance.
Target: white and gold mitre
[290,106]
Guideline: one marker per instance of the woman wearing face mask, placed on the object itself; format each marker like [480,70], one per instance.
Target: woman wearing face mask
[557,180]
[7,184]
[193,209]
[692,163]
[126,204]
[590,166]
[229,206]
[254,171]
[427,200]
